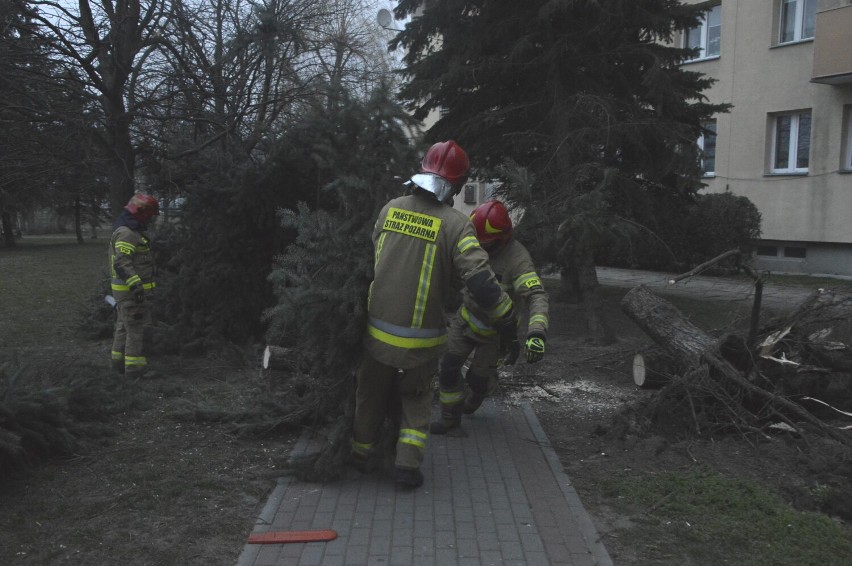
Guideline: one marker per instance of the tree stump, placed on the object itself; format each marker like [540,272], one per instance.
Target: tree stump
[276,357]
[652,369]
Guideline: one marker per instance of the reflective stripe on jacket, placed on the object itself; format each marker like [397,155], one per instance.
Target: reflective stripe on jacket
[420,246]
[130,262]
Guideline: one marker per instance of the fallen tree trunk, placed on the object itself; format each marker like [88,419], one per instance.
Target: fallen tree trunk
[692,348]
[667,326]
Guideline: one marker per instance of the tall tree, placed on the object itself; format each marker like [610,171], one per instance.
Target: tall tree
[232,76]
[587,95]
[106,43]
[39,143]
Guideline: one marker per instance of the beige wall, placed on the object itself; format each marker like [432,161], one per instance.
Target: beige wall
[758,78]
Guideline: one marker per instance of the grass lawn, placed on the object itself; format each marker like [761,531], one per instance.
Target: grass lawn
[45,281]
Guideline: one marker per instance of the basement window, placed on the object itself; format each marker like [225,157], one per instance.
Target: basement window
[795,252]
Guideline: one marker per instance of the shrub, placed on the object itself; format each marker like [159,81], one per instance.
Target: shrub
[682,236]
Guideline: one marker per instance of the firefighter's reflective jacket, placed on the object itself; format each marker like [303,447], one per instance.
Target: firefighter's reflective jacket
[420,246]
[130,261]
[516,273]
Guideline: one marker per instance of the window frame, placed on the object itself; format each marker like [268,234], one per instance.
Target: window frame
[798,21]
[792,148]
[846,165]
[701,144]
[762,251]
[704,31]
[795,253]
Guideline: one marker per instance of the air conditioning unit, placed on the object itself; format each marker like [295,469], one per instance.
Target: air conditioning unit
[470,193]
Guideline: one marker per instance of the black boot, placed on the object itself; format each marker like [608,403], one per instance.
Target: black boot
[409,477]
[364,464]
[472,402]
[450,419]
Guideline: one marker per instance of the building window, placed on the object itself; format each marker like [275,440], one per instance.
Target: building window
[795,252]
[706,37]
[797,20]
[767,251]
[707,148]
[791,142]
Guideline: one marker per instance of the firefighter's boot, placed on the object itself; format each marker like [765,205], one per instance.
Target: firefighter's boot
[479,387]
[450,419]
[472,402]
[409,477]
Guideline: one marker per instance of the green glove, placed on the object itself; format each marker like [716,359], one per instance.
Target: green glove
[534,348]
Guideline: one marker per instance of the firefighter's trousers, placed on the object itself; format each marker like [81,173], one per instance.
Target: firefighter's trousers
[377,384]
[482,373]
[132,323]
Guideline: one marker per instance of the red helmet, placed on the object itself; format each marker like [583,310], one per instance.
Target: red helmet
[143,207]
[492,223]
[448,160]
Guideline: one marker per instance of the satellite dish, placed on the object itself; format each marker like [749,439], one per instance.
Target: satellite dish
[384,18]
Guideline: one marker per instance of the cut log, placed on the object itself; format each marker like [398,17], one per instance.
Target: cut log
[276,357]
[692,348]
[652,369]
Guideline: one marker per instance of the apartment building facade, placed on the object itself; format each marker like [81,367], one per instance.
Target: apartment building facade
[786,67]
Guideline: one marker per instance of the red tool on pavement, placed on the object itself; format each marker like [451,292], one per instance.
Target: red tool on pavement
[281,537]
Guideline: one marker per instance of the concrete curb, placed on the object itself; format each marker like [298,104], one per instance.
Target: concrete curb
[587,528]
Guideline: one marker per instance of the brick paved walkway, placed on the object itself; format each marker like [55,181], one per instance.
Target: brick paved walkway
[498,496]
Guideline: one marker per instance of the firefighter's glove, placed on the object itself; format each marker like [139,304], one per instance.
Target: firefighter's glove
[534,348]
[507,329]
[138,293]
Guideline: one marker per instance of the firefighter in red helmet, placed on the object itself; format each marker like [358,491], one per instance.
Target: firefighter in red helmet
[470,331]
[131,267]
[421,245]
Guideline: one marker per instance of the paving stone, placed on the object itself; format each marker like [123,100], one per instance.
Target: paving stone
[497,496]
